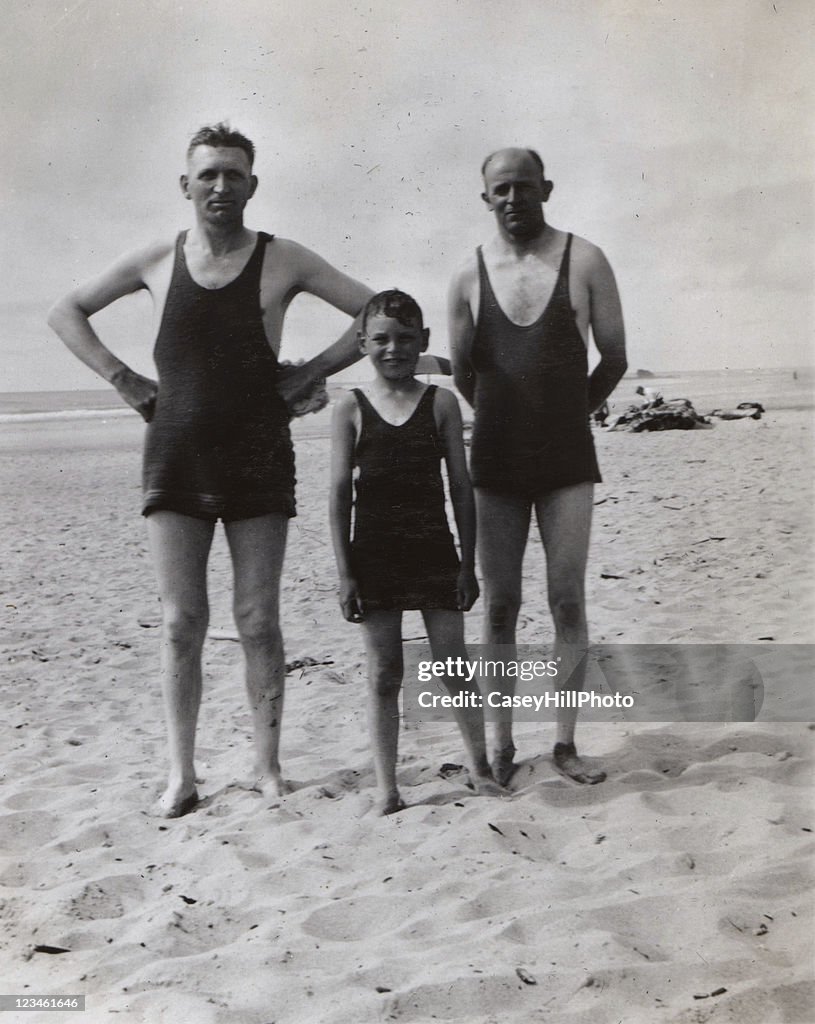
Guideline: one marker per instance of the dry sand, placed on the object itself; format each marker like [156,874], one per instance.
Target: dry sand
[678,891]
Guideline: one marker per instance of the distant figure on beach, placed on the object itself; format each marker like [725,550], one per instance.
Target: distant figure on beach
[652,397]
[402,556]
[217,444]
[521,308]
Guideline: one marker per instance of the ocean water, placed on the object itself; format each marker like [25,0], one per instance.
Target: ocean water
[706,389]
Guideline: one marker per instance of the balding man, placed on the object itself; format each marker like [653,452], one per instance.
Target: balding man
[522,309]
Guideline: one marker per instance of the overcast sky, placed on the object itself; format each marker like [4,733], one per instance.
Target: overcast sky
[678,135]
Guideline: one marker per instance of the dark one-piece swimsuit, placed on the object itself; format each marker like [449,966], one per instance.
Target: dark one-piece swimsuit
[219,444]
[402,553]
[531,431]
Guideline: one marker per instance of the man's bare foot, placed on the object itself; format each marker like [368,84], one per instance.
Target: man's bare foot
[503,767]
[485,785]
[175,804]
[271,785]
[389,804]
[569,763]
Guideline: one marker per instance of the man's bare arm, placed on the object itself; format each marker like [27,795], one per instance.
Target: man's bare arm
[462,331]
[606,319]
[316,276]
[70,319]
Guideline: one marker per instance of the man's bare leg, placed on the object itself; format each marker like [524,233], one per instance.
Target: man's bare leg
[564,521]
[257,547]
[503,529]
[383,643]
[180,548]
[445,631]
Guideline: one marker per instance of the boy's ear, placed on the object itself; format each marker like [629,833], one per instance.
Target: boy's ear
[361,340]
[425,338]
[184,182]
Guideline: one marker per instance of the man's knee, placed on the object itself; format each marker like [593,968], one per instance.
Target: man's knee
[568,612]
[185,627]
[257,624]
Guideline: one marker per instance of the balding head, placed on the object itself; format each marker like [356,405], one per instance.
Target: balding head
[514,153]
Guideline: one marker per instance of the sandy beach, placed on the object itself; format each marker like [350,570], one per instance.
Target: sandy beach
[679,891]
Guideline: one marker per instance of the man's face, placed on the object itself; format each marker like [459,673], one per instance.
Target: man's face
[515,190]
[393,347]
[220,183]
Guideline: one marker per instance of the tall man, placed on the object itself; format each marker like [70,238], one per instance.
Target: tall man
[218,443]
[521,308]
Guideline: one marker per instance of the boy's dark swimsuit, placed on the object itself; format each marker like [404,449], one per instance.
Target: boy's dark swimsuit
[219,444]
[531,431]
[402,553]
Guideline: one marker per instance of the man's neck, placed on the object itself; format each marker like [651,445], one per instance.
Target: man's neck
[217,240]
[511,245]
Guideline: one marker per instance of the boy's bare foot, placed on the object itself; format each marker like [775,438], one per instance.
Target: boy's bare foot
[390,805]
[503,767]
[569,763]
[175,804]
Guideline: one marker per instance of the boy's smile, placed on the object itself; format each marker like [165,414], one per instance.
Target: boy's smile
[394,347]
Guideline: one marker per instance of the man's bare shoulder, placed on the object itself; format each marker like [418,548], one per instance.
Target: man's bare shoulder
[586,254]
[465,275]
[147,258]
[292,252]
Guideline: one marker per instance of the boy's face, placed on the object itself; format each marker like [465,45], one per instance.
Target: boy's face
[393,347]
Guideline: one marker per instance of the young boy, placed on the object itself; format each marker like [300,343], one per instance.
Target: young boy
[402,555]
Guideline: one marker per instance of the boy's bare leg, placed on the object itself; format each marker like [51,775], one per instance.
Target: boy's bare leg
[564,521]
[503,530]
[180,548]
[445,631]
[257,547]
[383,643]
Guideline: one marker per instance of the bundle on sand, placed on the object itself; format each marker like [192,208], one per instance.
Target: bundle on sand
[677,414]
[743,410]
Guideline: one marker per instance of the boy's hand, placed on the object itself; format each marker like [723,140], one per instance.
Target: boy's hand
[139,392]
[468,589]
[350,600]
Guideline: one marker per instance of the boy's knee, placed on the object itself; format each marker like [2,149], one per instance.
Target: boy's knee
[502,610]
[385,676]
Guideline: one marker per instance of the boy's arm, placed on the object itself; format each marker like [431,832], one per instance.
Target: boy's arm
[70,319]
[343,440]
[316,276]
[448,421]
[606,319]
[462,331]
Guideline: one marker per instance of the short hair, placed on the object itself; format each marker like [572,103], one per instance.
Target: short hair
[222,136]
[396,304]
[533,153]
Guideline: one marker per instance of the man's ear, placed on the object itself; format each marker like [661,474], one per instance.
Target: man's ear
[547,188]
[184,182]
[425,338]
[486,199]
[253,184]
